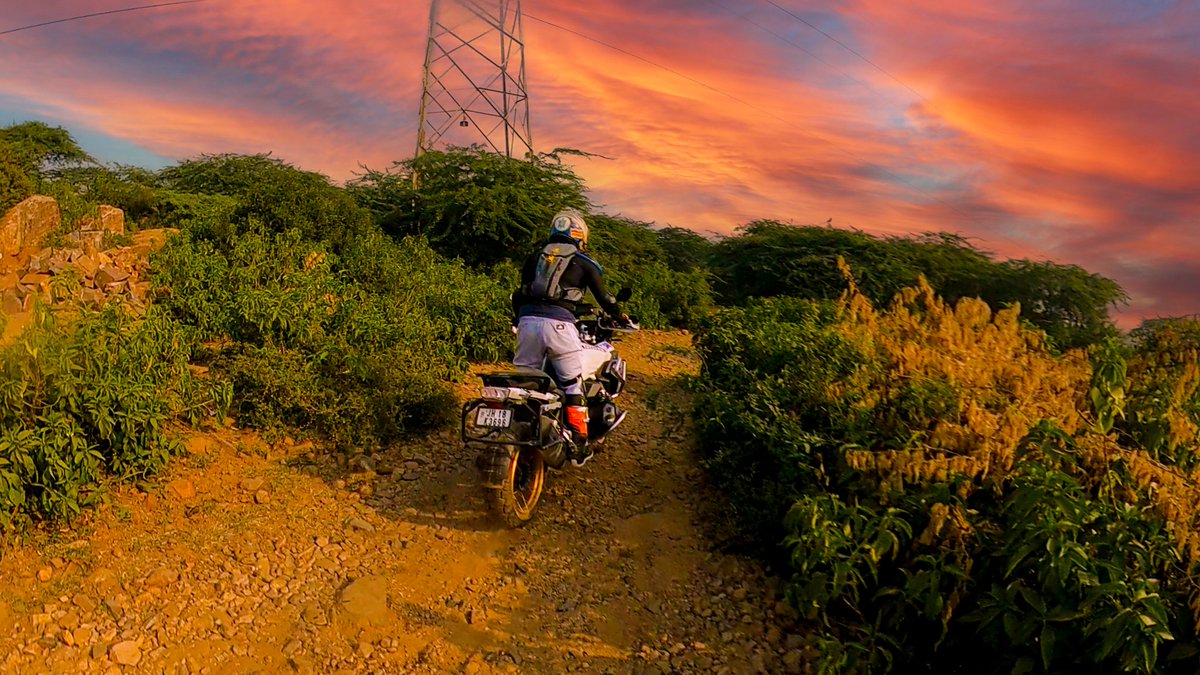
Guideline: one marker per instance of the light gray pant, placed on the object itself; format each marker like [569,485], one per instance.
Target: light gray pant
[540,338]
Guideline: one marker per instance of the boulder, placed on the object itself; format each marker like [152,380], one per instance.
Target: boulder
[110,274]
[10,301]
[107,219]
[91,296]
[125,653]
[146,242]
[86,265]
[36,279]
[111,219]
[88,240]
[28,223]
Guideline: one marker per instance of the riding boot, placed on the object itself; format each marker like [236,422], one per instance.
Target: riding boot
[577,421]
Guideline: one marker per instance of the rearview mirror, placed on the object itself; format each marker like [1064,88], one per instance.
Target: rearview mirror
[624,294]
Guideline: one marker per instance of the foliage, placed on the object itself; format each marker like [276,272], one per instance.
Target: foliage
[685,251]
[469,203]
[942,488]
[470,310]
[15,184]
[665,292]
[491,212]
[1163,409]
[768,259]
[40,148]
[131,189]
[91,398]
[357,349]
[1068,302]
[271,194]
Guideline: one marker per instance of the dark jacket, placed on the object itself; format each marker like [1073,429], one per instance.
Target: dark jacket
[582,272]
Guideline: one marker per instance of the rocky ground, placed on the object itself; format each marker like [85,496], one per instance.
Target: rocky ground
[272,558]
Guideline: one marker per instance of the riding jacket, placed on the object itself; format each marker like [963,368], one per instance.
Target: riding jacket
[555,280]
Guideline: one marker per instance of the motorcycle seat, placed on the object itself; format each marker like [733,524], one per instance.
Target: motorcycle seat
[522,378]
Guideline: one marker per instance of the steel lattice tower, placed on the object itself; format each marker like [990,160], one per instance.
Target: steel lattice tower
[474,79]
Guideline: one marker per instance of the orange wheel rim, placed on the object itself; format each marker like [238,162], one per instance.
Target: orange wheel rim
[526,475]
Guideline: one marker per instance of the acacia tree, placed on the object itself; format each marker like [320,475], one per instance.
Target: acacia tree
[768,258]
[40,148]
[14,183]
[274,195]
[469,203]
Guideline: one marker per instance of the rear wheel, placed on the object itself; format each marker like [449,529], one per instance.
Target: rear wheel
[514,477]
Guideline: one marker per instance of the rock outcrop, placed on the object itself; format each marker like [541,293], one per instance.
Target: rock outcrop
[28,223]
[118,271]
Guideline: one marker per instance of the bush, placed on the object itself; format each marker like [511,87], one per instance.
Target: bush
[133,190]
[769,259]
[271,194]
[88,399]
[666,292]
[1162,408]
[942,490]
[15,185]
[41,149]
[357,349]
[469,203]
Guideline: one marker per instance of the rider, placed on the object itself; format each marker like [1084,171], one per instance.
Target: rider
[553,284]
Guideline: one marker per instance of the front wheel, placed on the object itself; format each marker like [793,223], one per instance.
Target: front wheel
[514,477]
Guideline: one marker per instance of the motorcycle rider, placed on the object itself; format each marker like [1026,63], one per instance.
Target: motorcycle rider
[553,284]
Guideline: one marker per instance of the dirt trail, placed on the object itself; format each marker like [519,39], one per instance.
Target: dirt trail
[257,558]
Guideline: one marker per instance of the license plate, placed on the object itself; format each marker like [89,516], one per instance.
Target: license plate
[498,418]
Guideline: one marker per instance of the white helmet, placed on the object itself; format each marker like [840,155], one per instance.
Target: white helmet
[570,223]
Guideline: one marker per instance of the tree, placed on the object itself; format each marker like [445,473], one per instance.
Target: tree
[633,255]
[1068,302]
[40,148]
[769,258]
[686,251]
[14,183]
[471,204]
[274,195]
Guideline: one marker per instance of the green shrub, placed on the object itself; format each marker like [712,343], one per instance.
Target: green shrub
[15,185]
[666,291]
[133,190]
[1162,403]
[271,194]
[91,398]
[770,259]
[357,348]
[469,203]
[470,310]
[937,482]
[41,150]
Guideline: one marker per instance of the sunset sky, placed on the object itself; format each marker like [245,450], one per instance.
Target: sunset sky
[1049,129]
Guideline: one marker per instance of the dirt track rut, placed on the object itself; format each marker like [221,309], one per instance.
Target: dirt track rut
[252,557]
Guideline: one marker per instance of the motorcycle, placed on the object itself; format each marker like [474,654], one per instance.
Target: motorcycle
[518,423]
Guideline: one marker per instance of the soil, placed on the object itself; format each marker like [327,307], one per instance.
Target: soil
[257,557]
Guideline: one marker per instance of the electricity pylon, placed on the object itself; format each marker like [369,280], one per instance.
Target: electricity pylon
[473,87]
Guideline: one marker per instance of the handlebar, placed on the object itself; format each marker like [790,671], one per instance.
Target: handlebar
[609,323]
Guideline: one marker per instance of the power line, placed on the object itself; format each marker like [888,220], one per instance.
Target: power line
[845,46]
[748,104]
[95,14]
[725,5]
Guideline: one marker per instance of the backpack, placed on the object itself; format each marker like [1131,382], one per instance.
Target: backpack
[547,280]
